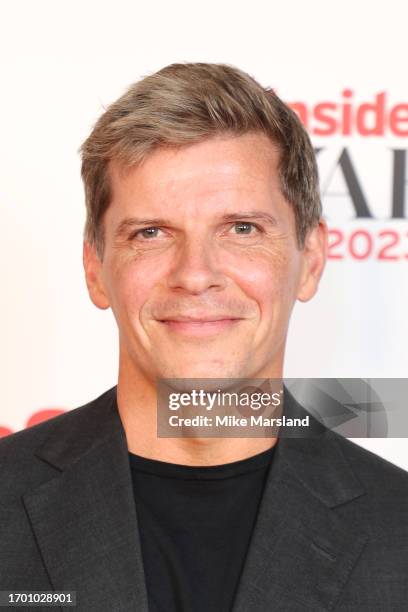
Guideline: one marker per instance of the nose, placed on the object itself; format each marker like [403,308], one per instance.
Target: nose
[196,267]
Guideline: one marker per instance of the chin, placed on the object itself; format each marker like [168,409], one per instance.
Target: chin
[206,371]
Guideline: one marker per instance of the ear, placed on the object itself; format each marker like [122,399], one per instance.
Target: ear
[93,276]
[314,260]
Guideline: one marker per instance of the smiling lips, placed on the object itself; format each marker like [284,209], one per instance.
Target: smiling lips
[200,326]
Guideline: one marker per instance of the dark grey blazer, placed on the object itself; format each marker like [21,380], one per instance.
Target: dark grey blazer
[331,533]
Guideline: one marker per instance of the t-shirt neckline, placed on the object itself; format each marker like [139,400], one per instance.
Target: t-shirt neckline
[207,472]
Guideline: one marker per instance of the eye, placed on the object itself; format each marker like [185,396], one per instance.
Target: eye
[245,228]
[147,232]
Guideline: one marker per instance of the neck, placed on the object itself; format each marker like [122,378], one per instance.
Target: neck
[137,405]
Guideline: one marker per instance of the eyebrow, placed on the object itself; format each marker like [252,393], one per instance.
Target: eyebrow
[251,214]
[130,223]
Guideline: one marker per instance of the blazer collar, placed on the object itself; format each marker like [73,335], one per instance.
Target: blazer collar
[315,458]
[309,531]
[84,518]
[301,552]
[91,427]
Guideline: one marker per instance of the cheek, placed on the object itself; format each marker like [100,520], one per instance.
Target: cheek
[268,280]
[130,284]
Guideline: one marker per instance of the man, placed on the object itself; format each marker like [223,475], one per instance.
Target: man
[203,229]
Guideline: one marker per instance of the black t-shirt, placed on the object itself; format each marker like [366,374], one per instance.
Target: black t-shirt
[195,525]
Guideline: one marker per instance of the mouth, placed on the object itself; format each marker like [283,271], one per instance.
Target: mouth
[199,327]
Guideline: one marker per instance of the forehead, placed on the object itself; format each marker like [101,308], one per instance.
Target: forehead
[216,169]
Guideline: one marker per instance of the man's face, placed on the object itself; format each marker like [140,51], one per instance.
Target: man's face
[201,266]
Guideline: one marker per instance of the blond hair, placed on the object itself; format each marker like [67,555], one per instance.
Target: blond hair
[183,104]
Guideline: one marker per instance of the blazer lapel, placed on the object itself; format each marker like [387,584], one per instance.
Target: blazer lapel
[308,534]
[84,519]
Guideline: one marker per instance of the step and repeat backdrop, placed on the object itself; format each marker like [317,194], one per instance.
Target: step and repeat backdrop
[343,74]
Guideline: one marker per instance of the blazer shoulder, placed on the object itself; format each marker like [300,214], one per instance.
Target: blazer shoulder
[377,474]
[32,456]
[23,443]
